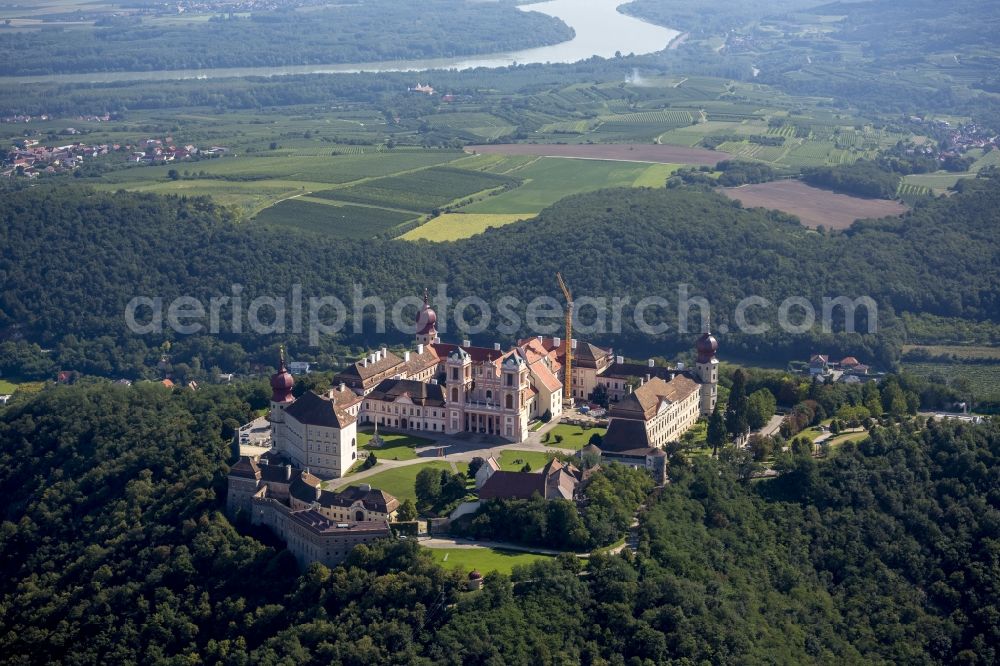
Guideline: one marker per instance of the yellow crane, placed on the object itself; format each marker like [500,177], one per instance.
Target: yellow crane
[568,364]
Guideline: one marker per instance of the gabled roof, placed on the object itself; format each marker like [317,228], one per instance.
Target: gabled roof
[363,371]
[245,468]
[545,376]
[635,370]
[373,499]
[477,354]
[645,401]
[420,393]
[513,485]
[319,524]
[315,410]
[625,435]
[346,398]
[420,362]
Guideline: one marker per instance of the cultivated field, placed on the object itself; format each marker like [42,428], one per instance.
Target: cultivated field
[612,151]
[972,352]
[332,219]
[453,226]
[549,179]
[983,379]
[420,191]
[812,205]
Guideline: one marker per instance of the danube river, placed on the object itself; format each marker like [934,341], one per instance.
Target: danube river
[601,30]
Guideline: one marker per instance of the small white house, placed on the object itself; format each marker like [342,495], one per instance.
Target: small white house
[299,367]
[483,474]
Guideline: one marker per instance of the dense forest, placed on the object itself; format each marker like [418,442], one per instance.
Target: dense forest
[351,33]
[863,179]
[113,550]
[70,297]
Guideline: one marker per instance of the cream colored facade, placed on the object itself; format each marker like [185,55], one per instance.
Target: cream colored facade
[314,434]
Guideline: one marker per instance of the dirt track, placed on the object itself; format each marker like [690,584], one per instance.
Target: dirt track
[655,153]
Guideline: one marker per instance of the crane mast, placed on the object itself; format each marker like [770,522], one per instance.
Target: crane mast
[568,364]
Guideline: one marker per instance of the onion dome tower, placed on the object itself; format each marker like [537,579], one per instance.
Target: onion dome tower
[281,398]
[427,324]
[282,382]
[707,368]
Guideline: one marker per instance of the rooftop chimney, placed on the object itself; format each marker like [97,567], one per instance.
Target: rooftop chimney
[420,349]
[572,343]
[343,387]
[365,487]
[680,365]
[466,343]
[541,339]
[648,377]
[288,472]
[406,356]
[651,363]
[496,346]
[620,360]
[556,342]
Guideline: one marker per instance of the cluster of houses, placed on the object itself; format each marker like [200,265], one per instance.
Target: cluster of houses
[848,369]
[29,158]
[24,118]
[161,151]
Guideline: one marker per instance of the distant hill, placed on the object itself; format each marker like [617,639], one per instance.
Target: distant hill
[74,261]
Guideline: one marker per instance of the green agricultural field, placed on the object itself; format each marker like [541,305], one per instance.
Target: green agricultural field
[656,175]
[295,167]
[328,218]
[396,446]
[983,379]
[453,226]
[970,352]
[399,481]
[423,190]
[573,437]
[549,179]
[484,560]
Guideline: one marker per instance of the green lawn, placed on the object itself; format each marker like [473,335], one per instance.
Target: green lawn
[484,560]
[399,482]
[573,437]
[7,387]
[513,461]
[834,442]
[395,446]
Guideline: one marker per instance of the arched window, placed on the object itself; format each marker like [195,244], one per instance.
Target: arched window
[510,401]
[359,517]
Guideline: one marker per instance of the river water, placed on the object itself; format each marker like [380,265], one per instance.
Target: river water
[600,30]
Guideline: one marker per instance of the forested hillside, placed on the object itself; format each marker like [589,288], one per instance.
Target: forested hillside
[357,32]
[70,296]
[113,551]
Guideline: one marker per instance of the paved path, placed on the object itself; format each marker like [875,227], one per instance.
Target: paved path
[772,426]
[456,449]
